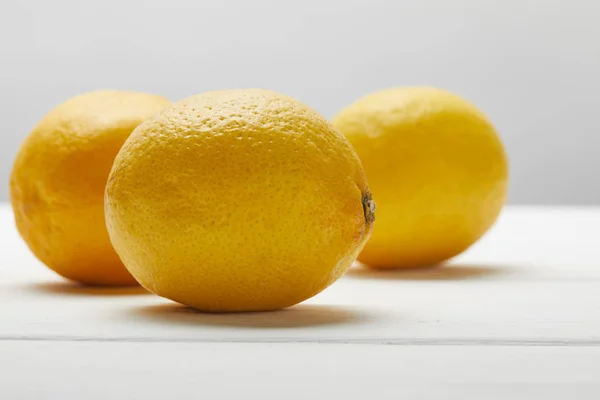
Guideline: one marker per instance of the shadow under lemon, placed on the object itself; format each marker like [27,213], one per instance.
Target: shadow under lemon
[440,272]
[68,288]
[302,315]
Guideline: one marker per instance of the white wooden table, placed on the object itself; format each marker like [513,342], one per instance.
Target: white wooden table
[517,316]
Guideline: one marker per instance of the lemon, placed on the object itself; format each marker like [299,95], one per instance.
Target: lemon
[436,167]
[237,200]
[58,180]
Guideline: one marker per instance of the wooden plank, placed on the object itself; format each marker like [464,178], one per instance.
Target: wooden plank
[67,370]
[534,280]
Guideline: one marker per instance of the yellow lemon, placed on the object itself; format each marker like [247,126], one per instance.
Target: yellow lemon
[237,200]
[58,180]
[436,167]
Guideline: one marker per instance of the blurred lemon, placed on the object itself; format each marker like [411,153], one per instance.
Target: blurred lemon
[436,167]
[58,180]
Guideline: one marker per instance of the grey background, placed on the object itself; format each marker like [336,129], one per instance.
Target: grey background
[532,66]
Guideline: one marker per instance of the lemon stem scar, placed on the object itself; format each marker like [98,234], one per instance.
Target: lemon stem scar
[368,207]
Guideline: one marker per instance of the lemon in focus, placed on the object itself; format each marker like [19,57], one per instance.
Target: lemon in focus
[58,180]
[237,200]
[437,168]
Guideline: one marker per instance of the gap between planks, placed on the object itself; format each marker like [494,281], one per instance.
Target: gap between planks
[565,342]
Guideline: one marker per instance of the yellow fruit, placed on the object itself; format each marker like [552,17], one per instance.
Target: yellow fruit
[237,200]
[58,180]
[436,167]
